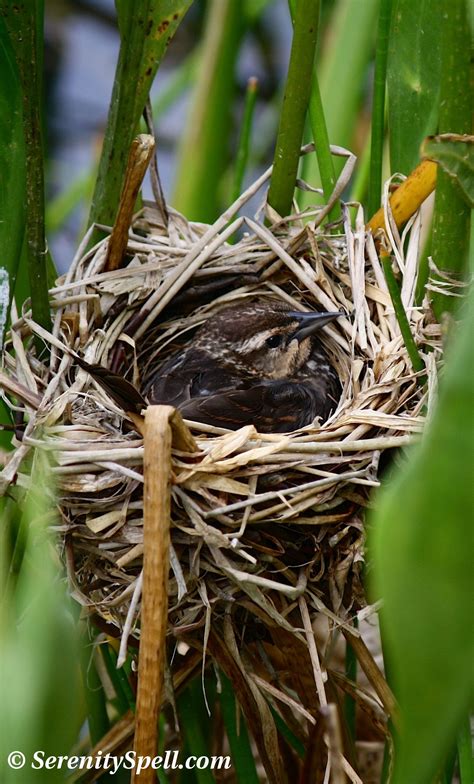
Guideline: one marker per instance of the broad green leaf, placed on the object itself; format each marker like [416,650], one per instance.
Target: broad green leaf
[455,154]
[413,72]
[422,568]
[452,216]
[12,171]
[146,28]
[40,672]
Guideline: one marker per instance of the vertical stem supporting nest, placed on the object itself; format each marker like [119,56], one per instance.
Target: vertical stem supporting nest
[162,426]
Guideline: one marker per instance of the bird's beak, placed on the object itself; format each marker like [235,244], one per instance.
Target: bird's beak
[308,323]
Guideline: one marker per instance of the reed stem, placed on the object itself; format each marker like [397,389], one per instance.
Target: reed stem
[295,104]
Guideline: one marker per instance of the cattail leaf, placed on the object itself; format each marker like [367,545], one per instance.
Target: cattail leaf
[40,673]
[413,72]
[423,571]
[455,154]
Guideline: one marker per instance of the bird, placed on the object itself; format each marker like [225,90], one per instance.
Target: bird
[257,363]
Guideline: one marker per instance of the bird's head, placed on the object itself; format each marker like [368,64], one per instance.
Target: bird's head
[262,338]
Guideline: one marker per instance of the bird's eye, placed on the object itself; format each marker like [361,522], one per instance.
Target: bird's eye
[273,341]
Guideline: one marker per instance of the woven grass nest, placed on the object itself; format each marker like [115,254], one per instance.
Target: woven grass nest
[267,531]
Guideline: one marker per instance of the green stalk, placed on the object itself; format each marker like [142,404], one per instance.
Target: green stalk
[244,139]
[359,184]
[241,751]
[12,190]
[196,727]
[466,764]
[146,28]
[295,104]
[447,773]
[287,734]
[323,150]
[204,148]
[378,108]
[341,70]
[451,220]
[408,338]
[125,697]
[386,764]
[25,26]
[12,175]
[321,138]
[93,692]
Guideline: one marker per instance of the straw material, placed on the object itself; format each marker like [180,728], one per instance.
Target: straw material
[266,530]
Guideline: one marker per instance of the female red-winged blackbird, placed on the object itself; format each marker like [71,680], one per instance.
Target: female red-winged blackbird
[258,363]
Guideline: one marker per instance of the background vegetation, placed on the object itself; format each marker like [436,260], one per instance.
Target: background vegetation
[418,56]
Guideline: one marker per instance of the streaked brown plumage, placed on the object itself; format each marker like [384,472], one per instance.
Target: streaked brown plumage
[258,363]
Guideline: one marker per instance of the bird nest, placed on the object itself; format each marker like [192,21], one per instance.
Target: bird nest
[267,531]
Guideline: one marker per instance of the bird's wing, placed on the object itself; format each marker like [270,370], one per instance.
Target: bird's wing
[171,388]
[118,388]
[189,376]
[272,406]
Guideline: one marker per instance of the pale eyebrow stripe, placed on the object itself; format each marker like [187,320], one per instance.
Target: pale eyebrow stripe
[256,341]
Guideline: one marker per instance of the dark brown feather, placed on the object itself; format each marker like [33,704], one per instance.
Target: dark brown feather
[118,388]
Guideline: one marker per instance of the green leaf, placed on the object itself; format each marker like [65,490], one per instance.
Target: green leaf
[423,571]
[455,154]
[243,146]
[413,72]
[205,144]
[39,683]
[195,725]
[146,28]
[452,216]
[12,172]
[378,108]
[466,761]
[237,734]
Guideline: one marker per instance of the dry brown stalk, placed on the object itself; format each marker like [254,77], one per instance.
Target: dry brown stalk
[140,155]
[374,676]
[154,612]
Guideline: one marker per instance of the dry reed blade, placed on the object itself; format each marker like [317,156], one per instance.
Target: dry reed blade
[375,677]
